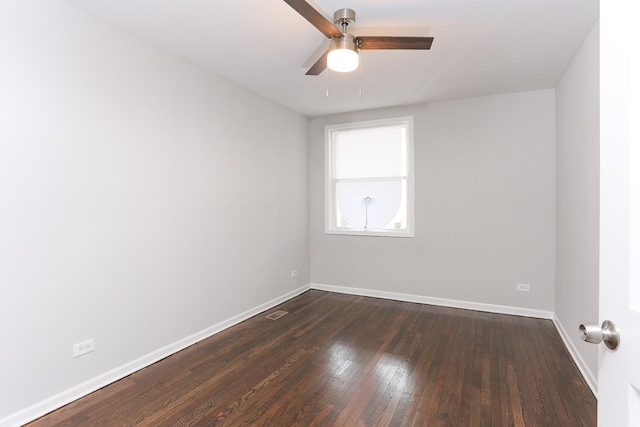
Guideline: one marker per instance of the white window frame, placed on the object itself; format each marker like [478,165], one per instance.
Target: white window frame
[330,182]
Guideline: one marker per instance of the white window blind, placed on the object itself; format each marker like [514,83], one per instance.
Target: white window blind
[369,152]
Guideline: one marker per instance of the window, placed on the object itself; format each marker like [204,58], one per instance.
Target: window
[369,178]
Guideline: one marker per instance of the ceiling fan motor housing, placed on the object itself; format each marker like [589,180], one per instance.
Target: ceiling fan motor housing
[348,41]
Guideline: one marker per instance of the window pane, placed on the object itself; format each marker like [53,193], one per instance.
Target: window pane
[400,221]
[373,152]
[370,205]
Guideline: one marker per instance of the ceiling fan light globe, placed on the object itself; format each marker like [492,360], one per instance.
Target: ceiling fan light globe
[342,60]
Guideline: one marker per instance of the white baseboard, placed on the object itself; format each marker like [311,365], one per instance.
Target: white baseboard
[588,376]
[39,409]
[490,308]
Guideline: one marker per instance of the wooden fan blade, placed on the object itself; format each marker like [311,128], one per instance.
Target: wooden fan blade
[317,20]
[319,66]
[390,42]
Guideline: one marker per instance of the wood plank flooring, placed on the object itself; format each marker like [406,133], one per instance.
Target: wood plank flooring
[341,360]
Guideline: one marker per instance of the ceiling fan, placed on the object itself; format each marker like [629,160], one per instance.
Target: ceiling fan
[342,55]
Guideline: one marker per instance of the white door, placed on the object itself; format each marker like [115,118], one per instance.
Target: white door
[619,370]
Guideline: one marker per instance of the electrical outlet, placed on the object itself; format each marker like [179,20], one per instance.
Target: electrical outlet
[83,348]
[294,273]
[522,287]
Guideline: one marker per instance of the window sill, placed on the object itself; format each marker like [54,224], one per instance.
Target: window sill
[390,233]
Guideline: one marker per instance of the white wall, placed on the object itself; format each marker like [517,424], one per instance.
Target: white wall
[485,206]
[577,203]
[142,200]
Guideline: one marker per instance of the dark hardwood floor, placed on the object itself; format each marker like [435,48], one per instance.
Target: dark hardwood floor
[341,360]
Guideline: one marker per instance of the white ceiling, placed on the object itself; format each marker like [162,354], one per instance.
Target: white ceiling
[481,47]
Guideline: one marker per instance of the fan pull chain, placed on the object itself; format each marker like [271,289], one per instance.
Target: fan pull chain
[326,93]
[360,71]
